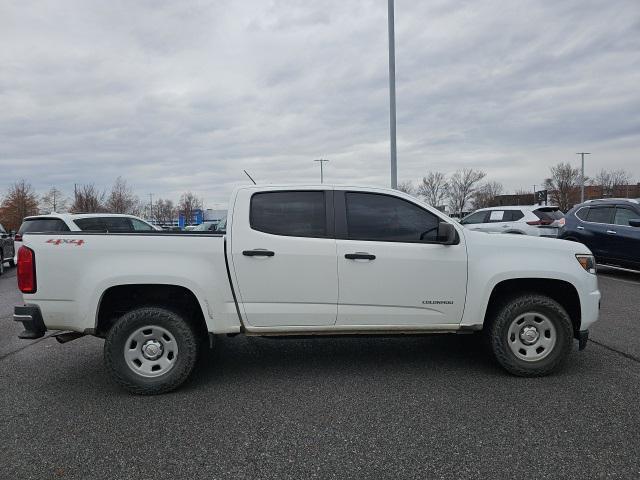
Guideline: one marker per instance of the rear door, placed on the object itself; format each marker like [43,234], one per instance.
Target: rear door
[389,273]
[626,239]
[284,257]
[497,221]
[597,233]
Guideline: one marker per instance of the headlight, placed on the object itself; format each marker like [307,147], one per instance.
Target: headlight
[587,262]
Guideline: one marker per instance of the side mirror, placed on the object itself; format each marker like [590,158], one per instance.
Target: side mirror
[635,222]
[447,234]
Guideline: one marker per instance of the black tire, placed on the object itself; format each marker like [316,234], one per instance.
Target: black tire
[185,338]
[1,262]
[12,264]
[545,310]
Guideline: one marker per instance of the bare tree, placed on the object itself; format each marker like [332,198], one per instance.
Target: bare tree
[434,188]
[620,180]
[189,203]
[164,211]
[19,202]
[604,181]
[53,201]
[87,199]
[462,186]
[563,185]
[121,198]
[407,187]
[486,193]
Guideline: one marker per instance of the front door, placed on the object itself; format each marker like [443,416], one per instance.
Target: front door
[389,273]
[284,257]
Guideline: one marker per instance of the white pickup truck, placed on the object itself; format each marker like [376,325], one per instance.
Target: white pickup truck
[306,260]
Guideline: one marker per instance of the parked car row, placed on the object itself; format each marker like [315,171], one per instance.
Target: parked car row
[69,222]
[609,227]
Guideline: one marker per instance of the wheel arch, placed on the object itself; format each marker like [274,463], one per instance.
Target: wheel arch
[120,299]
[561,291]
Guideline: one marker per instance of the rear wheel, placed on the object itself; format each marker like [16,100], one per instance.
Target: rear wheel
[12,263]
[1,262]
[531,335]
[150,350]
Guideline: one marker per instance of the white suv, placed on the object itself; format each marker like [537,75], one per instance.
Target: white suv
[522,219]
[89,222]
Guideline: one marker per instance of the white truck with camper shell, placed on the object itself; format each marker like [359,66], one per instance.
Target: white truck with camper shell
[306,260]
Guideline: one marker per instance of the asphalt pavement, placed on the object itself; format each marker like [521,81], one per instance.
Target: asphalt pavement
[416,407]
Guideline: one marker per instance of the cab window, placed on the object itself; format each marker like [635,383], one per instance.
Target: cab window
[379,217]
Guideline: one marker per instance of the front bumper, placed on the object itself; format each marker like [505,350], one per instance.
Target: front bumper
[31,319]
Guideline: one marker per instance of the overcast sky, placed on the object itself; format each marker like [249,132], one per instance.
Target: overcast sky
[184,95]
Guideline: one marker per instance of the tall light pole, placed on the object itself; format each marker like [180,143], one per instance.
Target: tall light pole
[392,95]
[151,207]
[582,154]
[321,160]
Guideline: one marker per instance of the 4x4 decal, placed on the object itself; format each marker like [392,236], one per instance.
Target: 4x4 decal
[58,241]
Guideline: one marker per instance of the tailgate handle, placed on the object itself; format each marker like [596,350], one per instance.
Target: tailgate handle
[258,252]
[611,232]
[359,256]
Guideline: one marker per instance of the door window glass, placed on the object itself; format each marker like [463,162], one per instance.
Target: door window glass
[140,226]
[92,224]
[514,215]
[600,214]
[296,214]
[384,218]
[496,216]
[623,215]
[478,217]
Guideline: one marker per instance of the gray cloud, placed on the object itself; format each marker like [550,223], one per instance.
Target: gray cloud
[185,95]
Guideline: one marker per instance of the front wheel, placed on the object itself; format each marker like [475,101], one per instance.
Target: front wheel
[150,350]
[531,335]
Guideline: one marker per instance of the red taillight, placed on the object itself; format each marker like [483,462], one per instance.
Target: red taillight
[26,270]
[17,237]
[546,221]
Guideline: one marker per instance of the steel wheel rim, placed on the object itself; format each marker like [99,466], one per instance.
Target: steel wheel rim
[151,351]
[532,336]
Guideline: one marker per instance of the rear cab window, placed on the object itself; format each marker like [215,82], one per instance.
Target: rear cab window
[289,213]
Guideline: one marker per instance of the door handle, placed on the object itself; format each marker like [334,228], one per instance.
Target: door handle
[258,252]
[611,232]
[359,256]
[580,228]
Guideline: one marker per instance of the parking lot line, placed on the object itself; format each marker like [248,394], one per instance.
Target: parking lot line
[618,279]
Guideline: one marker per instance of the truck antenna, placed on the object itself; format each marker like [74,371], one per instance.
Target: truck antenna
[247,173]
